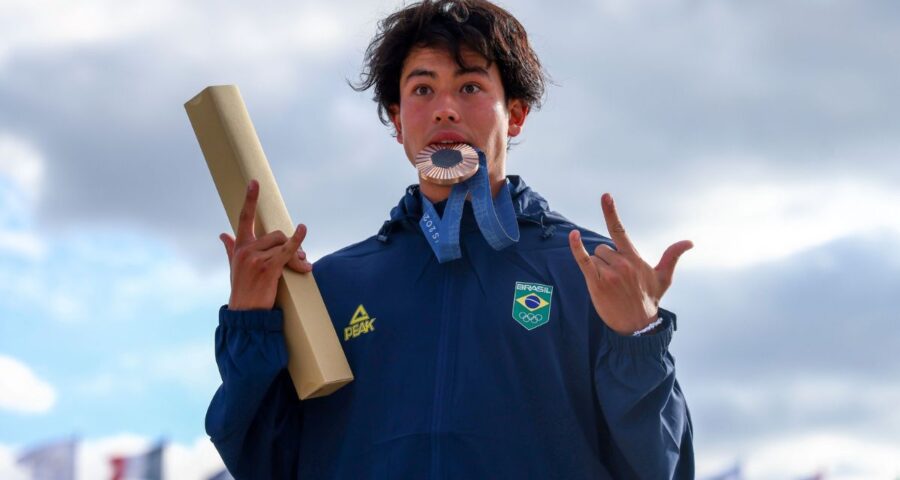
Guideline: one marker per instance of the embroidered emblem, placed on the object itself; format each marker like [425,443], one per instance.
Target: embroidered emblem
[531,304]
[359,324]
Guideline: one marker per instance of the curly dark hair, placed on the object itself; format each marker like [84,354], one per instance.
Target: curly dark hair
[477,25]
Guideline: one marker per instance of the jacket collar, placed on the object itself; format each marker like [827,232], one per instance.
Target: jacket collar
[530,207]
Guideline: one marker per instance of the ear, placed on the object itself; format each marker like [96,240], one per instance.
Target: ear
[394,112]
[518,112]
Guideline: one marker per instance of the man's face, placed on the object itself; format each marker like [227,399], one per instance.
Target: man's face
[440,101]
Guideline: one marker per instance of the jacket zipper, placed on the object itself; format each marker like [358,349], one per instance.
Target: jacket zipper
[440,373]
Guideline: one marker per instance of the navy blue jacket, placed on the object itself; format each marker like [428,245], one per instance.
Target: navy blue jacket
[448,384]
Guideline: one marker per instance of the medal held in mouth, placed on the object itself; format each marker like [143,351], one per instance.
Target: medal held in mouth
[447,164]
[464,167]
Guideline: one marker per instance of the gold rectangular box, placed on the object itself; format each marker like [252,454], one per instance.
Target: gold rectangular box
[317,363]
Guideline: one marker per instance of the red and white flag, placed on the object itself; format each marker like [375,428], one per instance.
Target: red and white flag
[146,466]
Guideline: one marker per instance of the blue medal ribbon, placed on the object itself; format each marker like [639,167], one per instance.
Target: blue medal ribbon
[496,217]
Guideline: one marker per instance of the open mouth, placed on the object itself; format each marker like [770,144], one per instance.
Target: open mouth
[447,138]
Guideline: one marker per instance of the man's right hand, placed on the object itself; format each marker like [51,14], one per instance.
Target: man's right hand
[257,263]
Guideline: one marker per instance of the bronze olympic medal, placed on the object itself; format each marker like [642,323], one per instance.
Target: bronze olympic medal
[447,164]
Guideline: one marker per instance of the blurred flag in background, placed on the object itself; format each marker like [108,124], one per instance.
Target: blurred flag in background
[51,461]
[146,466]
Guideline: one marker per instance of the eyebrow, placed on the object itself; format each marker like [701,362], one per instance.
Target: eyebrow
[421,72]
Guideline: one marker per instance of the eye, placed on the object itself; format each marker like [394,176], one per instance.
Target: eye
[471,88]
[421,90]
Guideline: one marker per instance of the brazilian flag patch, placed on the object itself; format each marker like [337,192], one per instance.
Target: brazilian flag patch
[531,304]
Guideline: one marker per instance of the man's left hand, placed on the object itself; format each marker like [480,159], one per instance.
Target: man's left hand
[624,289]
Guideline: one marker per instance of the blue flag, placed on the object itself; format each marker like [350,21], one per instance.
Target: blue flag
[52,461]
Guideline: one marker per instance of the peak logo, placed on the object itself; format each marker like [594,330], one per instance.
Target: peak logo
[359,324]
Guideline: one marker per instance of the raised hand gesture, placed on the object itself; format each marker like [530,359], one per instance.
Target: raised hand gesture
[624,289]
[257,263]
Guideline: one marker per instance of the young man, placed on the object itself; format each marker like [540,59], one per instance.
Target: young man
[530,359]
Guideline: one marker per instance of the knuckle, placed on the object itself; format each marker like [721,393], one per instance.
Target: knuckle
[257,263]
[611,275]
[240,254]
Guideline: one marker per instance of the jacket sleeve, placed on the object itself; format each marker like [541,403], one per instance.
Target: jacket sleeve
[255,416]
[649,435]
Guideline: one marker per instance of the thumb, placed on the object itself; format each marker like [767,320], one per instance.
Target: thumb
[299,263]
[297,257]
[666,265]
[229,245]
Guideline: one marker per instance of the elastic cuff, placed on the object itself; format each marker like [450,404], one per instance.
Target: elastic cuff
[266,320]
[655,344]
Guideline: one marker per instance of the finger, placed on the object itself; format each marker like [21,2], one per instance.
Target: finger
[581,255]
[228,241]
[297,257]
[299,265]
[289,249]
[615,227]
[607,255]
[666,265]
[248,215]
[270,240]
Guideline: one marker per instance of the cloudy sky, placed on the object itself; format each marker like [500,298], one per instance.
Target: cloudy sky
[767,132]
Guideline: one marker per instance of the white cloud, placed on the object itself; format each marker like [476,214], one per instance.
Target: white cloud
[837,456]
[23,244]
[21,179]
[8,468]
[21,390]
[258,46]
[33,24]
[21,162]
[803,396]
[736,224]
[793,426]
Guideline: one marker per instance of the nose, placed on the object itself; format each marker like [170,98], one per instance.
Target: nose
[446,112]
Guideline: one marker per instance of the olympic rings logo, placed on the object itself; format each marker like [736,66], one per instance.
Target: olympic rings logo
[530,317]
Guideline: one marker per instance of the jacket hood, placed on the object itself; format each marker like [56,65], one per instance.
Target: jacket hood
[530,207]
